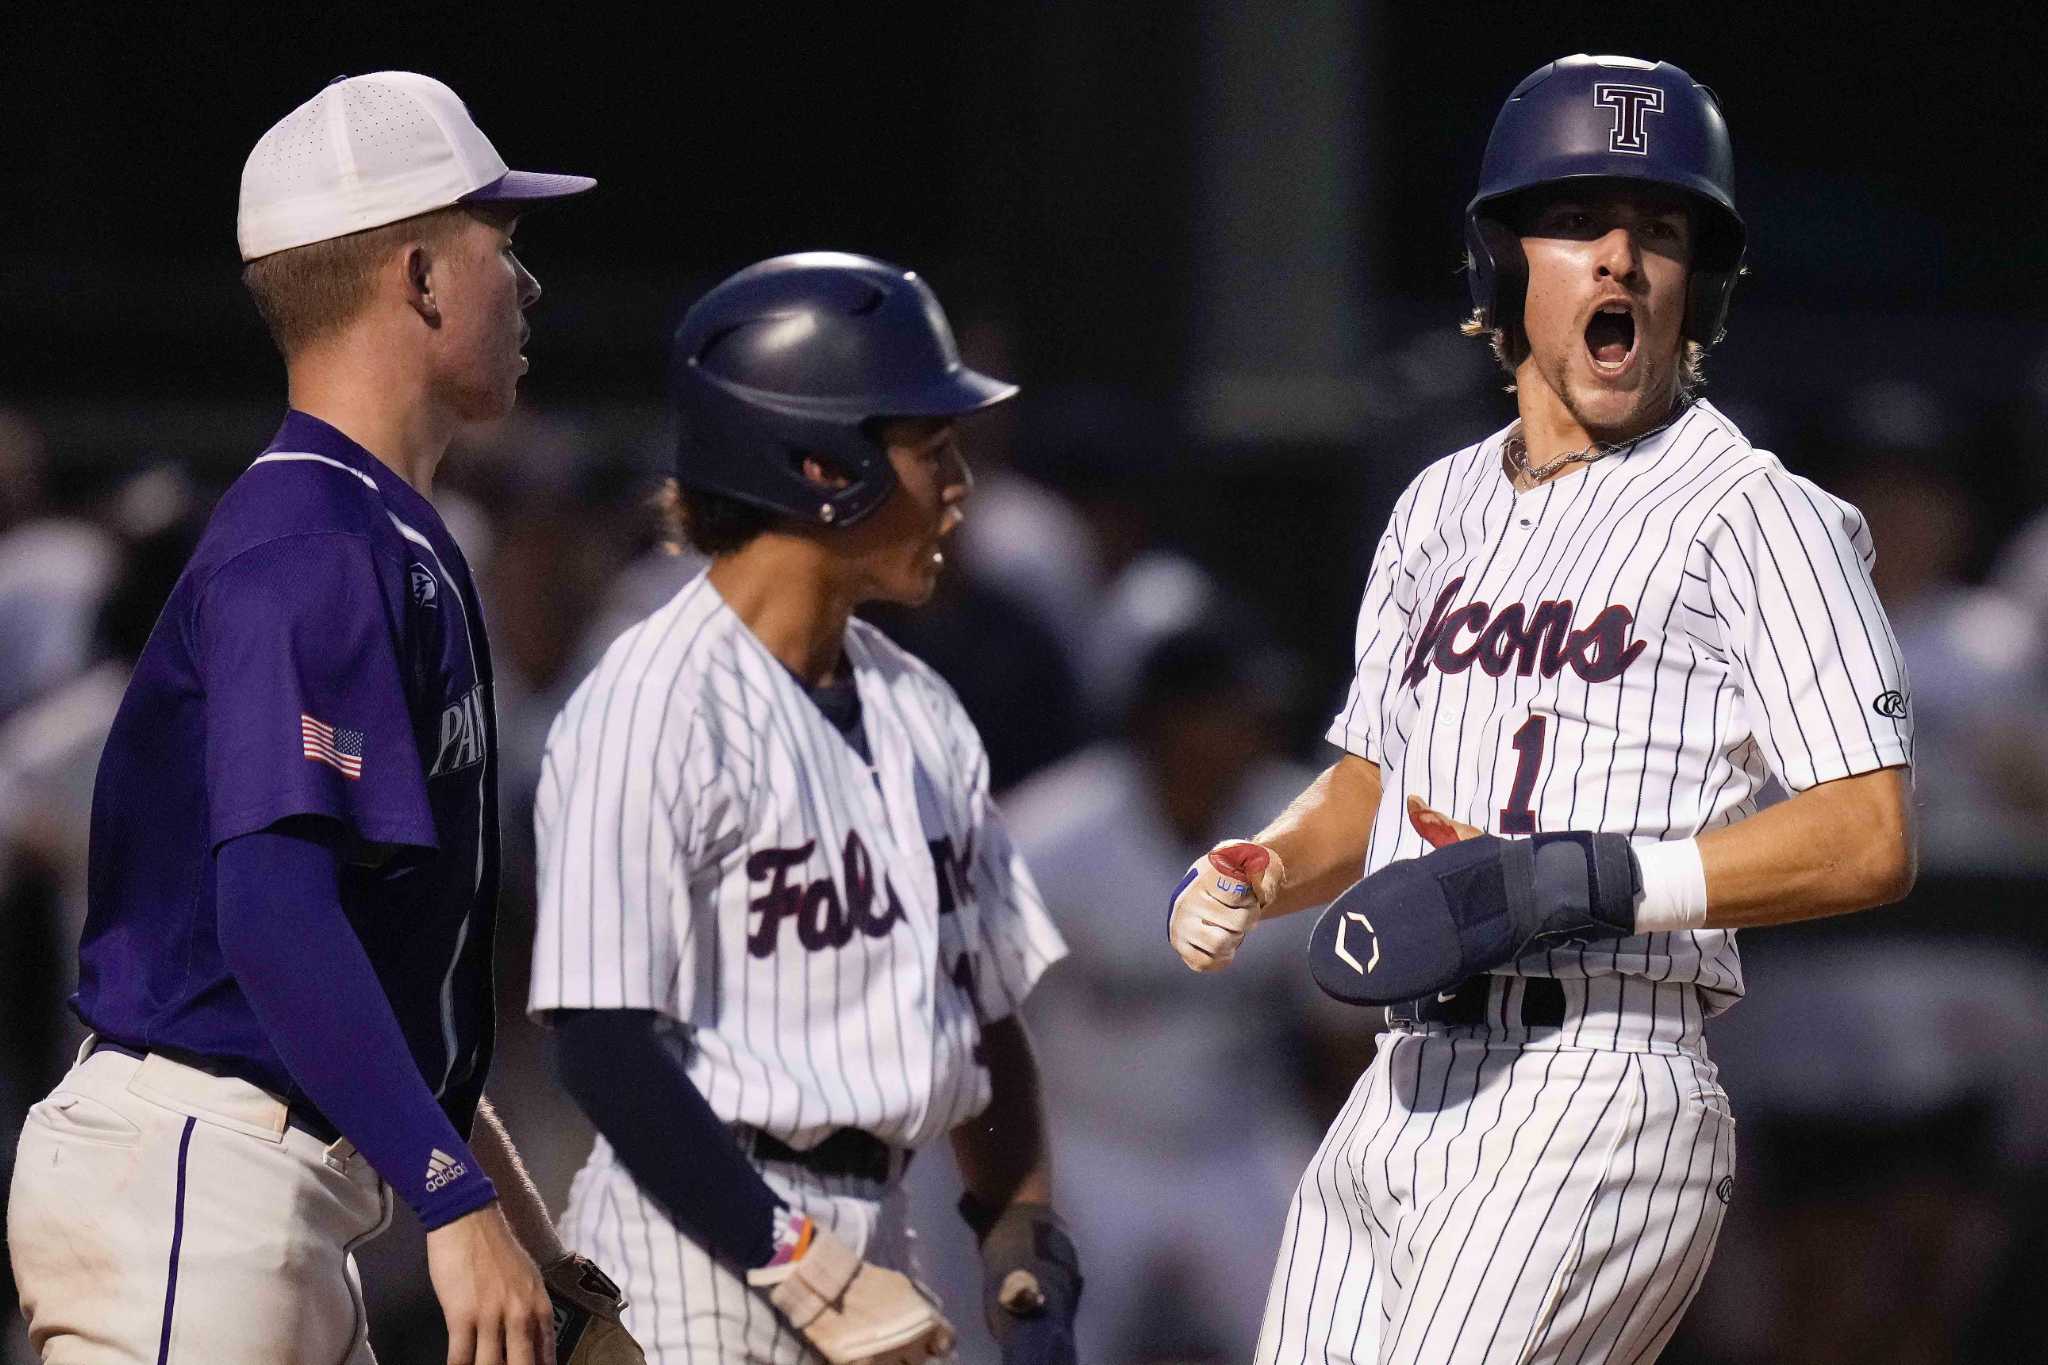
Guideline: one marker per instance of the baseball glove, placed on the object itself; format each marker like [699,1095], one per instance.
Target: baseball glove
[587,1306]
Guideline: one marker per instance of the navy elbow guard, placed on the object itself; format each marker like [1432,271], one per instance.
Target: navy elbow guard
[1424,924]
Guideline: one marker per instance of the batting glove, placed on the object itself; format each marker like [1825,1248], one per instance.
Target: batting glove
[851,1312]
[1219,900]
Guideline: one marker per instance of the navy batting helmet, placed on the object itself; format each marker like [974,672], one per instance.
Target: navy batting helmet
[799,356]
[1616,119]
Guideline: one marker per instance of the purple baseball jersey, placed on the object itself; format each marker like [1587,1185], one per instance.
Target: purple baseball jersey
[323,654]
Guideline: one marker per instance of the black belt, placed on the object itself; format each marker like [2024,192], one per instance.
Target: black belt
[303,1117]
[1464,1005]
[847,1152]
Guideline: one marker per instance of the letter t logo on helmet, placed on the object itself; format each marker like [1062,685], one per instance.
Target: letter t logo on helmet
[1630,104]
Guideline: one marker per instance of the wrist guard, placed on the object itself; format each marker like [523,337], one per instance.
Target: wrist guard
[1031,1273]
[1423,924]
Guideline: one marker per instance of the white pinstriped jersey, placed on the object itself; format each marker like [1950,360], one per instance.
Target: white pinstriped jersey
[1632,649]
[834,935]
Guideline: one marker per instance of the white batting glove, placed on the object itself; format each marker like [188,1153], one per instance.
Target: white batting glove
[1220,899]
[851,1312]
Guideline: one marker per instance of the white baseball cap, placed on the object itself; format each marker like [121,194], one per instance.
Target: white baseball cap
[370,150]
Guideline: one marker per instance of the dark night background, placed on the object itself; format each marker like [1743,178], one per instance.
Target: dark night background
[1040,157]
[1220,245]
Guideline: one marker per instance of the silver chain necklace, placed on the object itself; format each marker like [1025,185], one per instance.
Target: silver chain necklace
[1518,450]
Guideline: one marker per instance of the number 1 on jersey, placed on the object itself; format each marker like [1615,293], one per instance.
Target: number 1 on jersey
[1516,817]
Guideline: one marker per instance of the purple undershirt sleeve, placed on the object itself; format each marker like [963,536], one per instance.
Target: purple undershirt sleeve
[298,961]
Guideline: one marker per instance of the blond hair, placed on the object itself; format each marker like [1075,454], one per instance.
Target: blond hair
[312,291]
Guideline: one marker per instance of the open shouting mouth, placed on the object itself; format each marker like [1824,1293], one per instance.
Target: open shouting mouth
[1611,337]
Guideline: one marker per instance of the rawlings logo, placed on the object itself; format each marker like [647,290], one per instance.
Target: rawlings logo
[1524,640]
[824,918]
[1891,705]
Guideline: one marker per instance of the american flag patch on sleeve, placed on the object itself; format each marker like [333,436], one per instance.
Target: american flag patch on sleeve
[341,750]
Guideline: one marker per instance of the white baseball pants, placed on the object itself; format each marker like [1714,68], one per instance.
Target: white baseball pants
[161,1214]
[1489,1201]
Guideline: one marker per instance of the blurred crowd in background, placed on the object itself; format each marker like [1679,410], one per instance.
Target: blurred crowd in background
[1149,682]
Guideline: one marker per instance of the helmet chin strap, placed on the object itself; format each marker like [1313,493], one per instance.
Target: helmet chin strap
[1516,451]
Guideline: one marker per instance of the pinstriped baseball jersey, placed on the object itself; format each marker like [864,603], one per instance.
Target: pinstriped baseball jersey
[1633,649]
[834,934]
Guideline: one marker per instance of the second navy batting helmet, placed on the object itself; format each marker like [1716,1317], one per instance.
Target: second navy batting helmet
[799,356]
[1613,119]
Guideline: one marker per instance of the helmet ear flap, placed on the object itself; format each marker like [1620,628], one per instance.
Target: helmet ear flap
[1498,270]
[1706,304]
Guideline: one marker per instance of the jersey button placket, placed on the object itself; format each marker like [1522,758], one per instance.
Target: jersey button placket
[1530,509]
[1523,514]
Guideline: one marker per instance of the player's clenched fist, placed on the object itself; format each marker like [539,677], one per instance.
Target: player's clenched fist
[852,1312]
[1219,900]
